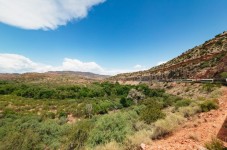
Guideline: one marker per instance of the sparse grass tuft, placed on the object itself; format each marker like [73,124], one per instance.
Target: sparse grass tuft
[134,141]
[109,146]
[166,126]
[215,144]
[193,136]
[189,110]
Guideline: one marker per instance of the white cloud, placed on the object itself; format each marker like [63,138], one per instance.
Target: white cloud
[139,67]
[74,64]
[14,63]
[161,62]
[43,14]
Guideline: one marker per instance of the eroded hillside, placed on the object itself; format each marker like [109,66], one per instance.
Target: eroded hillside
[208,60]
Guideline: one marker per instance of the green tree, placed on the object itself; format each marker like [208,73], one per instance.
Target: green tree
[126,102]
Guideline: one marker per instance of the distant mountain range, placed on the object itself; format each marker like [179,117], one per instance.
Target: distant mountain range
[208,60]
[78,73]
[61,77]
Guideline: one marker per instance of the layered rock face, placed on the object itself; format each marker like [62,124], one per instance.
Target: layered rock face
[206,61]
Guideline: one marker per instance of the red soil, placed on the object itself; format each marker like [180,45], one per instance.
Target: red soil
[195,133]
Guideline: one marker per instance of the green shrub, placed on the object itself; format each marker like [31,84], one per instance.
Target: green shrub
[80,134]
[30,132]
[62,114]
[169,100]
[109,128]
[208,105]
[183,103]
[224,75]
[49,115]
[102,107]
[150,92]
[208,87]
[45,93]
[204,65]
[152,112]
[189,110]
[7,89]
[126,102]
[26,140]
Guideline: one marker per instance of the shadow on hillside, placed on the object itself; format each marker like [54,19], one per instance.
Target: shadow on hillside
[222,134]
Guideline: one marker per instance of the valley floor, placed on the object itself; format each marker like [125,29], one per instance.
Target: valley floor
[197,131]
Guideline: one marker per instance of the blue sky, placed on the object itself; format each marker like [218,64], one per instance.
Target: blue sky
[105,37]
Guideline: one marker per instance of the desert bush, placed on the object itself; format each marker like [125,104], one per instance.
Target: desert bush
[156,92]
[49,115]
[140,125]
[166,126]
[189,110]
[208,105]
[215,144]
[62,114]
[169,100]
[187,89]
[52,133]
[109,146]
[215,94]
[62,120]
[183,103]
[224,75]
[204,65]
[135,95]
[152,112]
[110,128]
[79,134]
[208,87]
[16,140]
[102,107]
[134,141]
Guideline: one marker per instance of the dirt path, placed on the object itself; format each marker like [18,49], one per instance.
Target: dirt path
[194,134]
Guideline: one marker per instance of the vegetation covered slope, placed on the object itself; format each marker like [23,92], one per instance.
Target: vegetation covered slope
[208,60]
[55,77]
[45,116]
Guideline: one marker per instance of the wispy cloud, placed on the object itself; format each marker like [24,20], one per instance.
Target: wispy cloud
[14,63]
[43,14]
[140,67]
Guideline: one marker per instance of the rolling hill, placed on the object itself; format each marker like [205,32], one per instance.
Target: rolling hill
[56,77]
